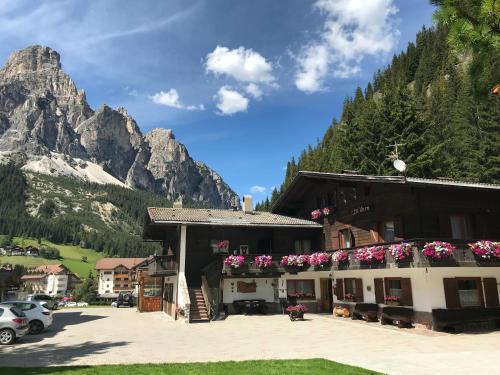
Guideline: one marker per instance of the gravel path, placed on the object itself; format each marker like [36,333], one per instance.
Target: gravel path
[93,336]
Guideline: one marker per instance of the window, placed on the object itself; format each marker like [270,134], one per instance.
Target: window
[350,286]
[303,289]
[394,287]
[108,272]
[152,287]
[106,291]
[244,250]
[346,239]
[302,246]
[460,227]
[169,293]
[468,293]
[388,231]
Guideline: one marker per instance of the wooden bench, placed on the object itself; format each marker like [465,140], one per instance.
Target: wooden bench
[366,311]
[403,315]
[454,318]
[250,306]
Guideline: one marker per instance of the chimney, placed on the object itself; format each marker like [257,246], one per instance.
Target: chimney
[247,203]
[178,203]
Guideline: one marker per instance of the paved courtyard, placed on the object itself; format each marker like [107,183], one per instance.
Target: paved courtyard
[110,336]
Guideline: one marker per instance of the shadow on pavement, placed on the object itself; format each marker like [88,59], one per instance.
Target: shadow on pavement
[61,320]
[43,355]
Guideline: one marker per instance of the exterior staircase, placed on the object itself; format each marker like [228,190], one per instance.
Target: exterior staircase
[198,312]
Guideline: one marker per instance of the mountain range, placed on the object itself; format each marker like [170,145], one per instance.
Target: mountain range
[47,126]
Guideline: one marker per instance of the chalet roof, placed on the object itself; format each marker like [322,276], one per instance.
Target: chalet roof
[414,181]
[33,276]
[112,263]
[198,216]
[50,268]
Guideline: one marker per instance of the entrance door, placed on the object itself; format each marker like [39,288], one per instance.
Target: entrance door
[326,295]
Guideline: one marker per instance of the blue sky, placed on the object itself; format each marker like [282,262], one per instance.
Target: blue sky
[245,85]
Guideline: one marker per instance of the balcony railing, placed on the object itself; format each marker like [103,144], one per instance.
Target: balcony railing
[163,265]
[461,257]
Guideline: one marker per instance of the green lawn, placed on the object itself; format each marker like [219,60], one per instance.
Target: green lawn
[71,257]
[274,367]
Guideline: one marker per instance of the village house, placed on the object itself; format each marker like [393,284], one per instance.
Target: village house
[116,275]
[51,279]
[191,279]
[377,227]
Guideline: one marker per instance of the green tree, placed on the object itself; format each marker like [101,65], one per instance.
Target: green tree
[87,290]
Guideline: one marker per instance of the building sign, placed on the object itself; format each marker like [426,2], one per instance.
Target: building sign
[362,209]
[243,287]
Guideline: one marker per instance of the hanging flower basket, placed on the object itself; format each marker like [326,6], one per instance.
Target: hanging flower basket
[400,252]
[221,247]
[486,250]
[319,260]
[235,261]
[340,256]
[438,250]
[370,254]
[264,261]
[321,213]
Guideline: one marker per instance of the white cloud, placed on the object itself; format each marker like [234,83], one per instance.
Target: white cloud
[230,101]
[171,99]
[256,189]
[353,29]
[242,64]
[254,90]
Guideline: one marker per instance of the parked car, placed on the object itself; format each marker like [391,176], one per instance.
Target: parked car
[13,324]
[125,299]
[44,299]
[82,304]
[70,304]
[39,317]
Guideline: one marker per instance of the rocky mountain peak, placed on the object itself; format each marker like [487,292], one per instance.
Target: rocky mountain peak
[32,58]
[44,117]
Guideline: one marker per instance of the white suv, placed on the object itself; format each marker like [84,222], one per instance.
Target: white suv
[39,316]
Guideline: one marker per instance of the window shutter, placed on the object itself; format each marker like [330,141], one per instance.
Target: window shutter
[340,289]
[491,291]
[379,290]
[451,293]
[359,290]
[406,293]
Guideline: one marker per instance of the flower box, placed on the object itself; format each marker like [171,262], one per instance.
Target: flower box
[320,260]
[401,252]
[370,254]
[392,300]
[235,261]
[340,256]
[295,261]
[264,262]
[438,250]
[486,250]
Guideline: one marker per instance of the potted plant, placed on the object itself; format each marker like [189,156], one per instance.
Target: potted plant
[264,262]
[296,312]
[370,254]
[297,261]
[340,256]
[438,250]
[486,250]
[319,260]
[400,252]
[392,300]
[235,261]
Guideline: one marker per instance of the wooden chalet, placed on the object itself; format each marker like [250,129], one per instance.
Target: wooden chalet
[364,212]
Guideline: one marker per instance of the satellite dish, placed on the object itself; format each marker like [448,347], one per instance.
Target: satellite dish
[400,165]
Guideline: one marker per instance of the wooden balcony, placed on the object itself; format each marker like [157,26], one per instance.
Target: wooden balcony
[163,265]
[461,257]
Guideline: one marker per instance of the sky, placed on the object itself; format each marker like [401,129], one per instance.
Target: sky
[245,85]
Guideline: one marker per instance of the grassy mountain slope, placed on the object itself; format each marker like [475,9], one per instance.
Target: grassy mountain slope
[71,256]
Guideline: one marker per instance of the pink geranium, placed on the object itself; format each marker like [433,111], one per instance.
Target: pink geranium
[234,261]
[370,254]
[486,249]
[438,250]
[400,251]
[340,256]
[319,259]
[316,214]
[223,245]
[298,308]
[264,261]
[295,260]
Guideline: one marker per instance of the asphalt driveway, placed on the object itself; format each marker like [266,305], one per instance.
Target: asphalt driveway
[92,336]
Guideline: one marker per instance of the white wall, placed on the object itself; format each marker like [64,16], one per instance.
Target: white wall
[265,289]
[426,283]
[104,283]
[56,283]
